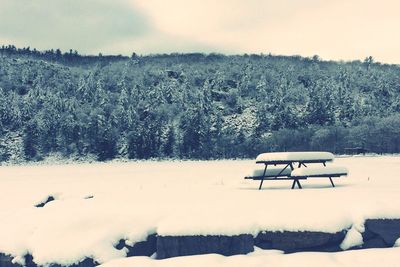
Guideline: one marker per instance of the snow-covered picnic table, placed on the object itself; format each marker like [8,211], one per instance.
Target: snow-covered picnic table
[290,164]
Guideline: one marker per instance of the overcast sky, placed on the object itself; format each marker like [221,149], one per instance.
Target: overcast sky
[332,29]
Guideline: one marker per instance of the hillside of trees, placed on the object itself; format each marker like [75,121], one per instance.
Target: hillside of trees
[198,106]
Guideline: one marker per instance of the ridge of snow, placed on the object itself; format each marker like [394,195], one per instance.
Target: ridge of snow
[295,156]
[312,170]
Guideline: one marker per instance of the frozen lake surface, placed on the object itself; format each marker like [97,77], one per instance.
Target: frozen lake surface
[98,204]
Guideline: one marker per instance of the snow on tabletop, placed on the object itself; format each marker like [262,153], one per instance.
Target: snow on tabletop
[135,199]
[295,156]
[312,170]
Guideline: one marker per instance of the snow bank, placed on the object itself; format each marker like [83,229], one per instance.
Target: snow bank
[259,171]
[371,257]
[295,156]
[353,237]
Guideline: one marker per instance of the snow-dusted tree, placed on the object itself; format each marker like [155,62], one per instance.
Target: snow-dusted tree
[320,106]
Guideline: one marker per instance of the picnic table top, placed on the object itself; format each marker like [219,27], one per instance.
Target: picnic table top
[289,157]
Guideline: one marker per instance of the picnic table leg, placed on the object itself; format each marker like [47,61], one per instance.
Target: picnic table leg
[298,183]
[330,179]
[288,165]
[262,179]
[291,166]
[302,163]
[294,184]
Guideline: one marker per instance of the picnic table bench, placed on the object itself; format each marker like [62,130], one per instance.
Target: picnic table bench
[290,167]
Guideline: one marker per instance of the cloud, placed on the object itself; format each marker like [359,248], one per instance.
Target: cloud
[223,24]
[158,43]
[85,25]
[337,29]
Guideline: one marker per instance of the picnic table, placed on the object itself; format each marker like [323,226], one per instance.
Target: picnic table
[289,167]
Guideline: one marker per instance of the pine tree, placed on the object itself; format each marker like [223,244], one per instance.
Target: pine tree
[30,141]
[169,145]
[320,107]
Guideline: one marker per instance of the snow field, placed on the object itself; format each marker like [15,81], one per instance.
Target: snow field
[135,199]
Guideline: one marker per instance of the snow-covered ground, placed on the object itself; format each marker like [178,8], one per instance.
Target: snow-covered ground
[98,204]
[389,257]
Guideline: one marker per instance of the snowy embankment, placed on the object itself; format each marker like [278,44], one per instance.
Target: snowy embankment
[389,257]
[97,205]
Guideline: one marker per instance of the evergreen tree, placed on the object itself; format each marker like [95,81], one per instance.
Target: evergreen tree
[169,145]
[30,141]
[319,109]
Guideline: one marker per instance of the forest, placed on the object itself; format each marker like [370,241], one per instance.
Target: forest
[192,106]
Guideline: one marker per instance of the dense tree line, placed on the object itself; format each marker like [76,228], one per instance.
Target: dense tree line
[193,105]
[72,57]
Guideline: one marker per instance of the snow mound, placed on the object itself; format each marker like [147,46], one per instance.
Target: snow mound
[370,257]
[312,171]
[270,172]
[295,156]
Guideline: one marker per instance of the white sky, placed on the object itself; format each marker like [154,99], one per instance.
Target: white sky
[332,29]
